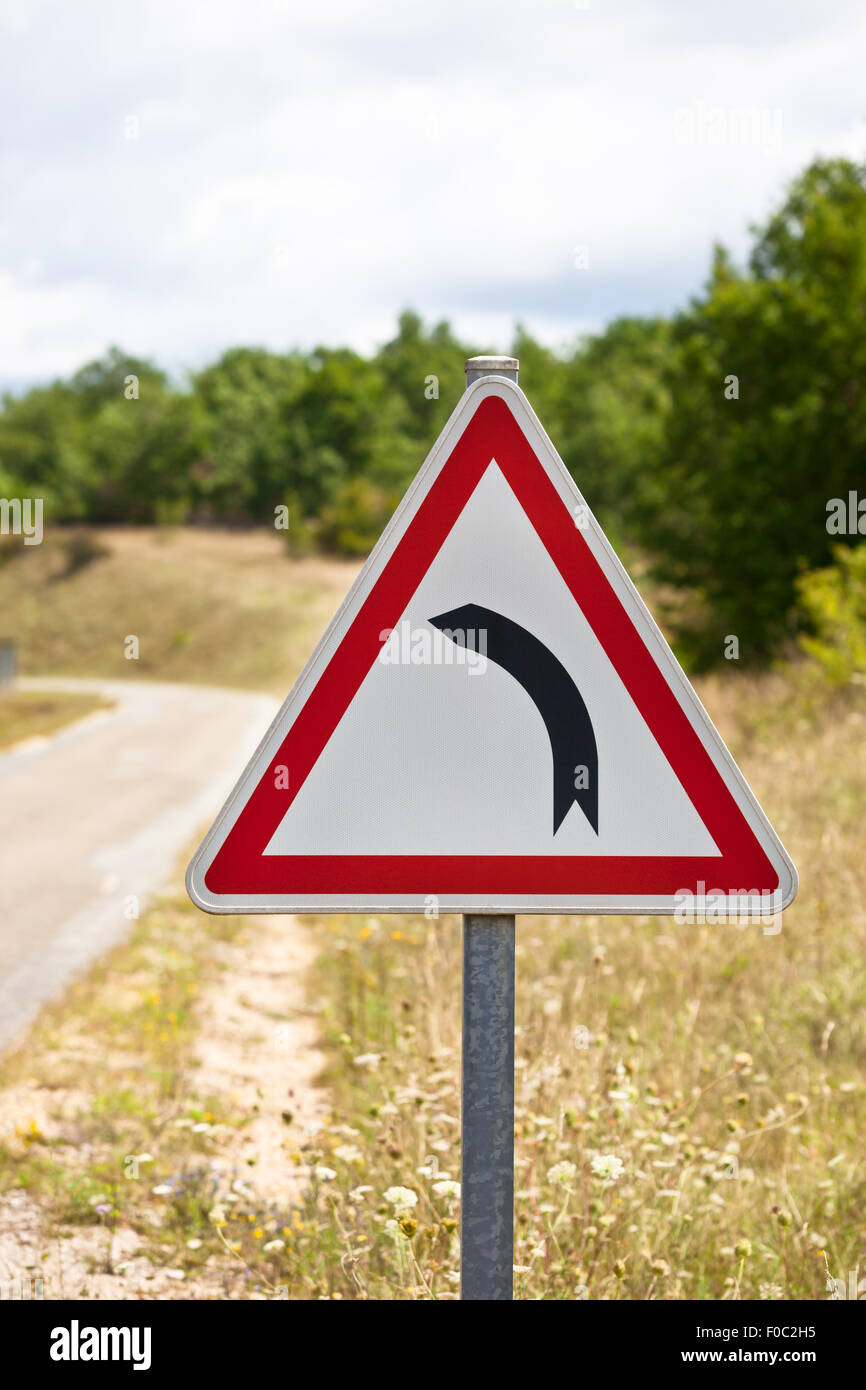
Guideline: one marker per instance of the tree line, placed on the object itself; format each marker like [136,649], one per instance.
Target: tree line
[712,442]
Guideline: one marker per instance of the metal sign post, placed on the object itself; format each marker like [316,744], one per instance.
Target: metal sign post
[487,1178]
[487,1112]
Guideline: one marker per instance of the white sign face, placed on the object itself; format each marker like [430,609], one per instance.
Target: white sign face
[493,722]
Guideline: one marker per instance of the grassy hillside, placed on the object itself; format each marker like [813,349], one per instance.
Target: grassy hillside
[223,607]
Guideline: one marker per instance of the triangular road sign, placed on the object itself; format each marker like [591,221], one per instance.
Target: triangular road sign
[493,721]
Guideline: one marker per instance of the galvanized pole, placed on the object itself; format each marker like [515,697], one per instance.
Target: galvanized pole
[487,1197]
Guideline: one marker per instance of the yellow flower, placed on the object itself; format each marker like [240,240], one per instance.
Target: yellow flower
[258,1233]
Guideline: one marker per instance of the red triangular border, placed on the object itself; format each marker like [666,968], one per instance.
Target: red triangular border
[241,867]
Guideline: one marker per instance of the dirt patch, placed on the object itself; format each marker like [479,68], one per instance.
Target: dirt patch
[254,1056]
[257,1047]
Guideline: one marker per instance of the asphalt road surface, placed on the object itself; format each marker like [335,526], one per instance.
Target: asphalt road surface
[93,820]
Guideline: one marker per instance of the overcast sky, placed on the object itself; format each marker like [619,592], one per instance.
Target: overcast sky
[177,176]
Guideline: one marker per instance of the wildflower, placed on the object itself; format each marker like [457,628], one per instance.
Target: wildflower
[660,1268]
[273,1245]
[164,1190]
[408,1225]
[324,1174]
[772,1292]
[368,1059]
[562,1174]
[446,1188]
[607,1167]
[217,1216]
[743,1249]
[348,1153]
[102,1207]
[358,1193]
[193,1244]
[401,1198]
[258,1233]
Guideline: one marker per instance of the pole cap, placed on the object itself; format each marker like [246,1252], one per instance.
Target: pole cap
[477,367]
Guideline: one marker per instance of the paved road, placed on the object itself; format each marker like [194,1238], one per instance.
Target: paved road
[99,813]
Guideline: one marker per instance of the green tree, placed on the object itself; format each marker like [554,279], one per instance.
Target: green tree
[768,419]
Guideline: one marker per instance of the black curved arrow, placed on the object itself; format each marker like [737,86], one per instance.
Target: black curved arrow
[550,687]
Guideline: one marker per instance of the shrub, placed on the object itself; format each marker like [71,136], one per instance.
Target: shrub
[834,602]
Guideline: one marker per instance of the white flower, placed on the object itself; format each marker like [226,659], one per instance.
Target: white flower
[607,1167]
[401,1198]
[358,1193]
[202,1128]
[164,1190]
[563,1173]
[274,1245]
[446,1188]
[193,1244]
[368,1059]
[348,1153]
[324,1174]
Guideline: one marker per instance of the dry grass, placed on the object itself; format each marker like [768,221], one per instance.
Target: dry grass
[30,714]
[226,608]
[721,1066]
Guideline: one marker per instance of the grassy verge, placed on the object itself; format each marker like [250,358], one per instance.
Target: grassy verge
[28,713]
[127,1167]
[690,1101]
[721,1069]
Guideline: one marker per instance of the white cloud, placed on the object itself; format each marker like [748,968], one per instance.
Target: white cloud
[300,173]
